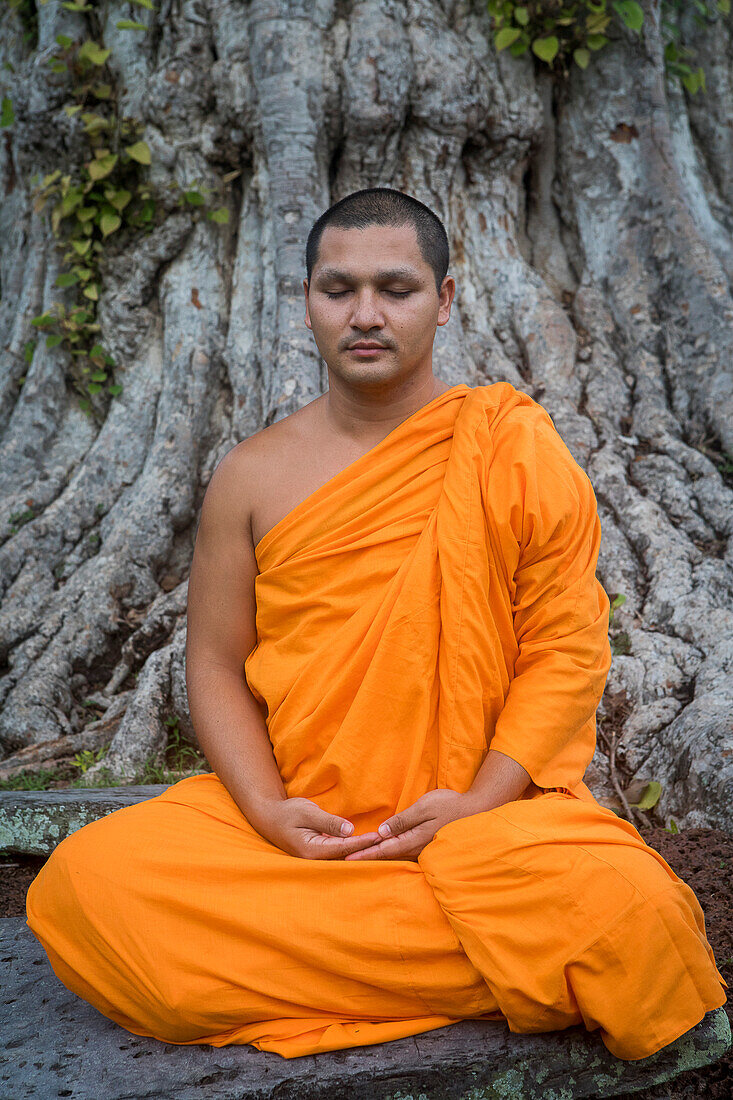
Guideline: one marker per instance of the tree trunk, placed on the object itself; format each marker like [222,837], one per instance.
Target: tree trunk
[590,230]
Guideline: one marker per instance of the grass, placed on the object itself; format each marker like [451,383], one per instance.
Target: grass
[180,760]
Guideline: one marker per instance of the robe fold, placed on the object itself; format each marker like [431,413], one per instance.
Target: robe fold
[435,598]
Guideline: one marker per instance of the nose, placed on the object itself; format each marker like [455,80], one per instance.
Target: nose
[366,312]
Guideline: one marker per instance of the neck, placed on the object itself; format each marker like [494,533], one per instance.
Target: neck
[363,416]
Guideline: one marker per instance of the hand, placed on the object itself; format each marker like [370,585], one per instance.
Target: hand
[301,828]
[413,828]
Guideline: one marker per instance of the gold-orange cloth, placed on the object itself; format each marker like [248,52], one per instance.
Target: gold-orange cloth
[436,597]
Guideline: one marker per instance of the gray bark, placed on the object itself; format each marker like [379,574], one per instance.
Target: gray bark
[590,230]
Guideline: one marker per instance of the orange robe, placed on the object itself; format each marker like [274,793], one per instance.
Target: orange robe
[435,598]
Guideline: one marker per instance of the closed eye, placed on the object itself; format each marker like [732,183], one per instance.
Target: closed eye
[394,293]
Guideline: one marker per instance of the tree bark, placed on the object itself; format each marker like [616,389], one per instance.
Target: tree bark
[590,229]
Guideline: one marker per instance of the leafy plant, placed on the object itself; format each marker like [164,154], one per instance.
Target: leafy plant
[84,760]
[107,197]
[180,754]
[617,601]
[650,796]
[560,32]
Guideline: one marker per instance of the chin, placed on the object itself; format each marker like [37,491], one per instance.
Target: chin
[363,372]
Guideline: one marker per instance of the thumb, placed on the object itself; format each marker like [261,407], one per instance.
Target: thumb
[395,825]
[334,825]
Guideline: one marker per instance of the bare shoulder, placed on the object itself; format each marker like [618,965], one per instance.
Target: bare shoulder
[250,470]
[264,450]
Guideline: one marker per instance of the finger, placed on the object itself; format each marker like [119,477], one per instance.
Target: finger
[331,847]
[393,848]
[401,823]
[333,825]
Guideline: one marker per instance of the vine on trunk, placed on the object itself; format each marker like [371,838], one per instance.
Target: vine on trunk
[108,194]
[559,32]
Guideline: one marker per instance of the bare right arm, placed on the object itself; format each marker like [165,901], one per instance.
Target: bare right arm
[227,718]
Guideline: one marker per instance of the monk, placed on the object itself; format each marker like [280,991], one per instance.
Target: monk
[396,648]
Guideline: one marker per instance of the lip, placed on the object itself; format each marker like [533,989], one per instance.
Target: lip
[363,352]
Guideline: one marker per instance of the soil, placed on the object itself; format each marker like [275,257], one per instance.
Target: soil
[703,858]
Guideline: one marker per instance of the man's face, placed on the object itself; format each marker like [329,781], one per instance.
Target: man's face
[372,285]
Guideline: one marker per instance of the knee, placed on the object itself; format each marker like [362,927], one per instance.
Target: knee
[557,839]
[55,891]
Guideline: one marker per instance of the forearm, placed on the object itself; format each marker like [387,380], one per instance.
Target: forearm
[500,779]
[232,733]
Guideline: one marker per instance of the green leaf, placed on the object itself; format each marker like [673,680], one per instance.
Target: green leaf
[130,25]
[724,7]
[64,41]
[522,16]
[57,66]
[101,167]
[72,109]
[546,48]
[7,114]
[650,797]
[91,292]
[102,91]
[93,53]
[94,387]
[694,81]
[54,340]
[67,278]
[139,151]
[93,122]
[506,36]
[82,247]
[28,350]
[581,57]
[73,198]
[115,389]
[220,216]
[145,4]
[672,826]
[42,319]
[96,350]
[596,41]
[195,198]
[630,13]
[99,376]
[119,199]
[109,222]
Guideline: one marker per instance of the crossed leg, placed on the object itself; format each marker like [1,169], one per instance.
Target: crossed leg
[177,920]
[572,918]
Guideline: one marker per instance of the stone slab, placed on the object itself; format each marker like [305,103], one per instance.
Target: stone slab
[32,823]
[54,1044]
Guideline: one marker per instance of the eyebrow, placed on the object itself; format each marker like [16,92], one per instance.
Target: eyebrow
[329,273]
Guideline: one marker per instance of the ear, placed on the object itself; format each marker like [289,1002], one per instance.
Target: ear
[307,310]
[445,298]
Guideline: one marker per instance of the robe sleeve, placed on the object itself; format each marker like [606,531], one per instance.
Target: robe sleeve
[559,608]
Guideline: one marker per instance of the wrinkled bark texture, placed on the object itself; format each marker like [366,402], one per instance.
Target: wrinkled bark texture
[590,229]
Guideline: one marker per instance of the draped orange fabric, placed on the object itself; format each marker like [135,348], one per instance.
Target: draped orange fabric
[435,598]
